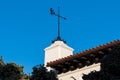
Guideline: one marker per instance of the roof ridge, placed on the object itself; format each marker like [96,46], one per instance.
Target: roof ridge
[94,49]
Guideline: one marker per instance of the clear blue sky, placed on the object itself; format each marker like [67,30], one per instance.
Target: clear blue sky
[26,27]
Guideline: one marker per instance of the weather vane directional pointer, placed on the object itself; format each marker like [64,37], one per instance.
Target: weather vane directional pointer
[52,12]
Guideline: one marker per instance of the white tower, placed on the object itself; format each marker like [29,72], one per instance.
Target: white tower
[56,51]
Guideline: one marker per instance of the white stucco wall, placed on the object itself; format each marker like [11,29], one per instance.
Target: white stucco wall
[56,51]
[78,73]
[59,50]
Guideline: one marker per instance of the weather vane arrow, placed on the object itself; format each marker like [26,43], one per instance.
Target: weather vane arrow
[52,12]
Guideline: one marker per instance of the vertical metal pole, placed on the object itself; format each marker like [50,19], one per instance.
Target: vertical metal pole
[59,23]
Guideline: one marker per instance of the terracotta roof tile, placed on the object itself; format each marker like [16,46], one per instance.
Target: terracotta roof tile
[97,48]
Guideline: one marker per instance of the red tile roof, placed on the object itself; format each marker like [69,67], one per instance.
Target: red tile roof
[110,44]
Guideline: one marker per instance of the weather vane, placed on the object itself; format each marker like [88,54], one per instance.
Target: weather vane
[52,12]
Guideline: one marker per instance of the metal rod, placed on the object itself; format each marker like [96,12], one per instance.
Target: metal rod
[59,16]
[58,22]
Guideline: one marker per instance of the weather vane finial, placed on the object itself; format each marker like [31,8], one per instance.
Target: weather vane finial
[52,12]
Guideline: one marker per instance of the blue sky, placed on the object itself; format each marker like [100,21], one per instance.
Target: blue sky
[26,27]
